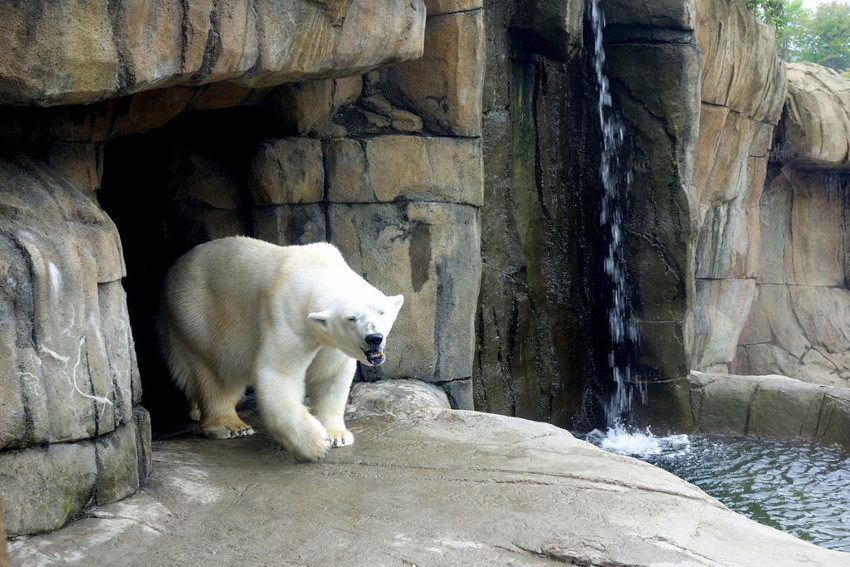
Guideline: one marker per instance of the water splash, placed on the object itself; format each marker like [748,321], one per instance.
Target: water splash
[616,179]
[640,444]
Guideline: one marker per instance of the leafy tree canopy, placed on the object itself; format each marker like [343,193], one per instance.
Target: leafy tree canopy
[821,35]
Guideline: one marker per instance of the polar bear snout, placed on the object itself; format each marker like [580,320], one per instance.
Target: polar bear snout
[374,340]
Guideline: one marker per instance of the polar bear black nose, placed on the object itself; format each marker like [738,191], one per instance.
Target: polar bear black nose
[374,339]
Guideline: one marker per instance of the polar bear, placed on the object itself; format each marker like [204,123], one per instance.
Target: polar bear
[289,320]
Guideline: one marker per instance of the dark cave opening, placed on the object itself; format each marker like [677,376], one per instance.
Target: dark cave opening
[144,191]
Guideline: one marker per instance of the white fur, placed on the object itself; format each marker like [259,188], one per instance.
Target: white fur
[289,320]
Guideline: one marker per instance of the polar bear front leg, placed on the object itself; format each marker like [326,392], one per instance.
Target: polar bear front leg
[280,401]
[328,384]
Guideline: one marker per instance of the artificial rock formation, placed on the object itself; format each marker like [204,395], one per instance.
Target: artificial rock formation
[743,90]
[72,53]
[798,325]
[132,133]
[117,113]
[542,336]
[437,486]
[71,428]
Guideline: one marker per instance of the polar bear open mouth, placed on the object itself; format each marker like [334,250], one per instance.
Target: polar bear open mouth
[375,357]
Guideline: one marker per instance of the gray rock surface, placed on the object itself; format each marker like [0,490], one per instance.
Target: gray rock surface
[421,486]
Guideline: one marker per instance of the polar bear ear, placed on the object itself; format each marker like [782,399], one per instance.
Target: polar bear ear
[320,318]
[397,301]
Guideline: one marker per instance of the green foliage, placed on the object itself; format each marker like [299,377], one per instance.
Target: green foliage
[771,12]
[826,36]
[820,36]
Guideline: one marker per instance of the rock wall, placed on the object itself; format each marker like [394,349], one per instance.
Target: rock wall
[72,433]
[799,324]
[542,339]
[72,53]
[742,91]
[445,155]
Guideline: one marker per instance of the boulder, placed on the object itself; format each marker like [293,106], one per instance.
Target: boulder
[771,407]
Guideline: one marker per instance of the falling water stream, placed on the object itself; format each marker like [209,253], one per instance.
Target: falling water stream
[798,488]
[616,180]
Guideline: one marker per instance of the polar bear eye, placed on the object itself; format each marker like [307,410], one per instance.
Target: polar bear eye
[352,318]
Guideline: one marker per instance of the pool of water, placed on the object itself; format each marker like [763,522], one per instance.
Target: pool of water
[799,488]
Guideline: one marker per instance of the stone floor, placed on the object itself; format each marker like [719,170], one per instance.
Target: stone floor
[422,485]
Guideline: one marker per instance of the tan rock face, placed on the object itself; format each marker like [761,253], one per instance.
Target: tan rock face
[743,88]
[740,68]
[799,324]
[71,53]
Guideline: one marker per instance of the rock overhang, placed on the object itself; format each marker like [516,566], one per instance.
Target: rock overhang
[68,53]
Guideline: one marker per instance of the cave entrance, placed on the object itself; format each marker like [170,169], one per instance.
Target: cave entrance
[167,191]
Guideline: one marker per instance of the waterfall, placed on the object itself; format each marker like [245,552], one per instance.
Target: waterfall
[616,180]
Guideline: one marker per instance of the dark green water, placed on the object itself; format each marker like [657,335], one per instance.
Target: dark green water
[799,488]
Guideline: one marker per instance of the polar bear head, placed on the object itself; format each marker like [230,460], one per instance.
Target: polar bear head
[359,329]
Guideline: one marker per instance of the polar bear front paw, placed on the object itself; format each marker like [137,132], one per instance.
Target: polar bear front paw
[341,437]
[315,448]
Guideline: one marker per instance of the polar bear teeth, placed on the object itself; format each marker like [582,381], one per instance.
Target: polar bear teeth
[372,356]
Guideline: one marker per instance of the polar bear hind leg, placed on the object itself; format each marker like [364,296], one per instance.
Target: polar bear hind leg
[213,404]
[218,414]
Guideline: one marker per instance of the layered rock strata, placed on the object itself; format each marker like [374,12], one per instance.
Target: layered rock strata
[72,53]
[124,106]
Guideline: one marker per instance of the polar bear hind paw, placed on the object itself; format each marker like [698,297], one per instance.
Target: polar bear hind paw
[226,427]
